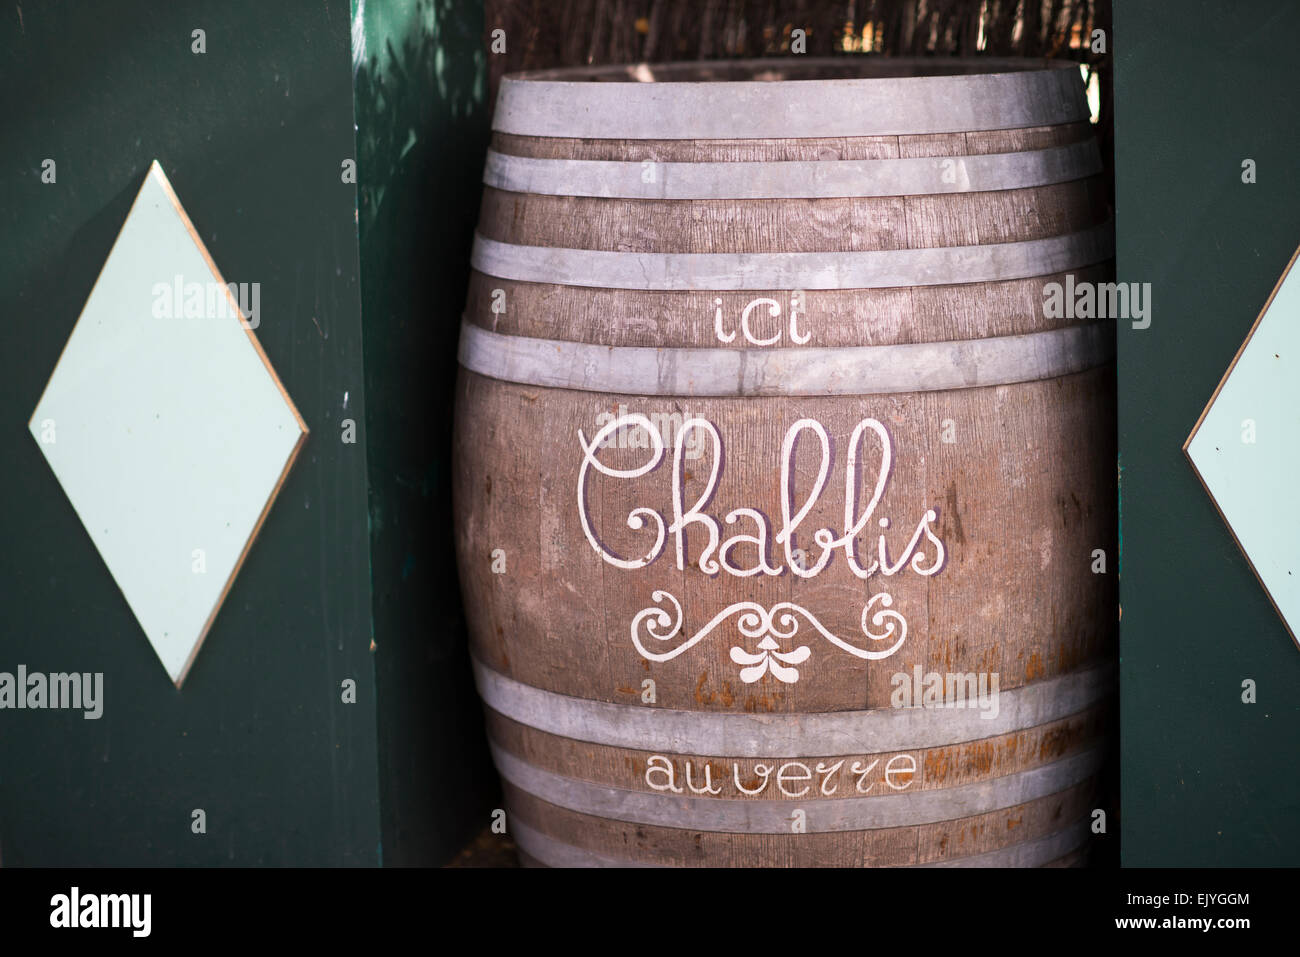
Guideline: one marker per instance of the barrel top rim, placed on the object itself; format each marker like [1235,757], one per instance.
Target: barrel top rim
[867,70]
[753,101]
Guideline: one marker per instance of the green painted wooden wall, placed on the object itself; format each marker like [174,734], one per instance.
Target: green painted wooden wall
[252,134]
[1207,780]
[422,131]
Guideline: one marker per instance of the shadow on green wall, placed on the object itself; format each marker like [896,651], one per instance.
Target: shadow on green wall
[422,130]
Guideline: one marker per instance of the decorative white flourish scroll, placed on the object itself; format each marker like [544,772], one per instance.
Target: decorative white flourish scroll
[771,625]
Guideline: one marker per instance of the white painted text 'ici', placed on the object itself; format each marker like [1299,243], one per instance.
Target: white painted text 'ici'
[773,310]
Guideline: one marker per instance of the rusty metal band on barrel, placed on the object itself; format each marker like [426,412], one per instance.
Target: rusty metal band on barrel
[552,853]
[861,269]
[847,370]
[877,106]
[792,179]
[782,735]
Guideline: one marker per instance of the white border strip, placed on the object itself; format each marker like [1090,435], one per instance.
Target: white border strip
[850,370]
[825,733]
[870,269]
[729,815]
[875,106]
[548,851]
[792,179]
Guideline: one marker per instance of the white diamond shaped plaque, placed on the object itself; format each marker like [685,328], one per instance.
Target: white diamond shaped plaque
[166,425]
[1246,447]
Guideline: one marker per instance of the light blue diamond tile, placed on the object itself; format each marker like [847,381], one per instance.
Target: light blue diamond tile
[1246,447]
[166,427]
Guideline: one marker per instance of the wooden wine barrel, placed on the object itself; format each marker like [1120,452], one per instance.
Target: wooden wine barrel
[784,495]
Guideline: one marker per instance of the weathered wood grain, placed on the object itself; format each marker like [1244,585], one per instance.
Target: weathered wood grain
[790,225]
[882,847]
[1024,494]
[1019,477]
[786,150]
[832,317]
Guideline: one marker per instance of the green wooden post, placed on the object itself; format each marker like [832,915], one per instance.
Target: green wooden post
[252,119]
[1207,778]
